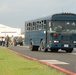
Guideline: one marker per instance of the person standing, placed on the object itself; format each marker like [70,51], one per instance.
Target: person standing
[12,40]
[3,41]
[0,41]
[7,41]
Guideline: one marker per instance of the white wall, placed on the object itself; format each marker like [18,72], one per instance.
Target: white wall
[5,30]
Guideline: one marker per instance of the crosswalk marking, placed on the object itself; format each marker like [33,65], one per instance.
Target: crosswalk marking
[54,62]
[73,53]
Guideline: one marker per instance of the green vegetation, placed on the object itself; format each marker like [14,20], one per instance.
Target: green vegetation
[12,64]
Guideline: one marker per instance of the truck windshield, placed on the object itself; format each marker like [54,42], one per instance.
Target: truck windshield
[64,26]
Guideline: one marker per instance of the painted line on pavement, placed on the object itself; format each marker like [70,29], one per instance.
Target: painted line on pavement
[54,62]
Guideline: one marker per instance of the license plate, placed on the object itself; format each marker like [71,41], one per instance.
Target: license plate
[66,45]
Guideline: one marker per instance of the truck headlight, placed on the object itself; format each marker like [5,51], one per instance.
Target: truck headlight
[74,41]
[56,41]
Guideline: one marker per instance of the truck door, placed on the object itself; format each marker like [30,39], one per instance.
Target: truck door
[48,25]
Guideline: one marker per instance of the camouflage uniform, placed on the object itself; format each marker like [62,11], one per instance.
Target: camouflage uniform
[7,41]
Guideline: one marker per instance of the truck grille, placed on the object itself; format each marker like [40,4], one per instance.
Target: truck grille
[66,39]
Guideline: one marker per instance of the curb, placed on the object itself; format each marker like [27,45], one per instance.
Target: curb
[46,63]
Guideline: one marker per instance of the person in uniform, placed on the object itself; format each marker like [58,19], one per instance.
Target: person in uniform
[7,41]
[12,40]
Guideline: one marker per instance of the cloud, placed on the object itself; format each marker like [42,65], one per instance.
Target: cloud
[4,9]
[34,6]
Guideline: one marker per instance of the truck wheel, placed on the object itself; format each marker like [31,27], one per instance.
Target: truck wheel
[42,46]
[32,47]
[54,50]
[69,50]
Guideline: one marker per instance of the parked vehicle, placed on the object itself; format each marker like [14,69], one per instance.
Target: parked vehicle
[18,41]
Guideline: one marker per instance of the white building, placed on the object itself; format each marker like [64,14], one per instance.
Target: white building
[6,30]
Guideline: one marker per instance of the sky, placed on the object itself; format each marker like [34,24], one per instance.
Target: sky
[15,13]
